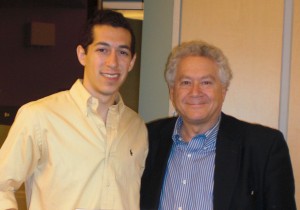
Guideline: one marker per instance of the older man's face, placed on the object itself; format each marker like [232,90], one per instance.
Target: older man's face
[197,93]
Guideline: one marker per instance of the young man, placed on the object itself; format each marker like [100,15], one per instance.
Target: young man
[82,148]
[205,159]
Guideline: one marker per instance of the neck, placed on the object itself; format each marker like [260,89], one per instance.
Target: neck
[188,132]
[190,129]
[104,104]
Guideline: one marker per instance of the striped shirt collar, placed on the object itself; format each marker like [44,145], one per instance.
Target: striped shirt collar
[210,134]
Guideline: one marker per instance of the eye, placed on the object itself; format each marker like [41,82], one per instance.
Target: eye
[102,50]
[185,83]
[124,52]
[207,82]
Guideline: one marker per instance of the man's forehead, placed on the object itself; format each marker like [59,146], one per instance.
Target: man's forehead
[111,35]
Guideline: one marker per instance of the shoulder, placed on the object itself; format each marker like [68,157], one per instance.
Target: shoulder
[44,105]
[161,128]
[131,115]
[47,100]
[231,122]
[162,124]
[132,120]
[31,115]
[249,132]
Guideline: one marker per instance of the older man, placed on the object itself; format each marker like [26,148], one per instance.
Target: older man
[204,159]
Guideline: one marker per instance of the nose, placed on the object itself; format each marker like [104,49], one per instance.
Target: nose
[112,59]
[196,89]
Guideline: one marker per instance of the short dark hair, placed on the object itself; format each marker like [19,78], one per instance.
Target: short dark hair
[105,17]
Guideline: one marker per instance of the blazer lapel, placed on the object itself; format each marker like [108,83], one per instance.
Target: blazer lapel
[227,163]
[161,154]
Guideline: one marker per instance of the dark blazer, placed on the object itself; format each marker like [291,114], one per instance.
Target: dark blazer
[252,167]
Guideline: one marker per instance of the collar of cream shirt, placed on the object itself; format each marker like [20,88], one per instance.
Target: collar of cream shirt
[84,99]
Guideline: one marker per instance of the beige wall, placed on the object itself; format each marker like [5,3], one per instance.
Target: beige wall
[294,108]
[250,34]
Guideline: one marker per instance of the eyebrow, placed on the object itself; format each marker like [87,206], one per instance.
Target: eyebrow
[108,45]
[201,78]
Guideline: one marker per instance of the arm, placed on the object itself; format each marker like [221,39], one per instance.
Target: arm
[18,158]
[279,180]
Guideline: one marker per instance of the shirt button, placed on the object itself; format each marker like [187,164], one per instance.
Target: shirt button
[189,155]
[184,182]
[179,208]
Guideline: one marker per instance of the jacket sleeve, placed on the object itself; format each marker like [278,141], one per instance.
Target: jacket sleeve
[279,181]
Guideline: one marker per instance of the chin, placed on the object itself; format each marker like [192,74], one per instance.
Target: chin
[108,92]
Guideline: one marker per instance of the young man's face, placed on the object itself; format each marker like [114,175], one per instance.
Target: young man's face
[107,60]
[198,93]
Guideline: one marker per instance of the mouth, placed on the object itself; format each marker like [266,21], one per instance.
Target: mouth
[196,102]
[110,76]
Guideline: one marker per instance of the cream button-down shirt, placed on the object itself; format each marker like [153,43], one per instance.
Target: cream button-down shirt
[68,158]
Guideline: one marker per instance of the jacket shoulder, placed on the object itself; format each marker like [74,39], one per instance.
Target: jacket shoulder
[162,124]
[253,131]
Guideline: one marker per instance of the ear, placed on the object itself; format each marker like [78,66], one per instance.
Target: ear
[132,62]
[171,92]
[81,54]
[224,91]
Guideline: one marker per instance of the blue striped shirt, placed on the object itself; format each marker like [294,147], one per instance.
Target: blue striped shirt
[189,178]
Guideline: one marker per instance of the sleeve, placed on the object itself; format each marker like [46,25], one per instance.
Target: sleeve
[19,156]
[279,180]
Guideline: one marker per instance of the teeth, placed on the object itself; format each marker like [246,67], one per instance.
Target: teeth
[110,75]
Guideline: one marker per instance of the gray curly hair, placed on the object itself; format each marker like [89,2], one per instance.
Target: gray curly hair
[198,48]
